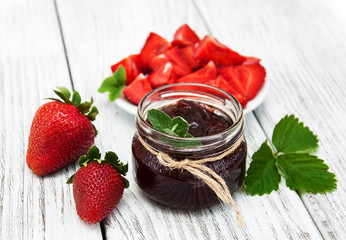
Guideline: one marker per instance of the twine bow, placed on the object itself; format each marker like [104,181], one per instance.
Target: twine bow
[198,169]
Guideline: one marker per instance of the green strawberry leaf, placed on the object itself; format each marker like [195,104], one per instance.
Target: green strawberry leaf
[64,91]
[262,175]
[93,153]
[83,160]
[76,99]
[112,158]
[114,84]
[126,182]
[306,172]
[70,180]
[290,135]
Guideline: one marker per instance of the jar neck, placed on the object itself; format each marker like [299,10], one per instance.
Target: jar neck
[215,98]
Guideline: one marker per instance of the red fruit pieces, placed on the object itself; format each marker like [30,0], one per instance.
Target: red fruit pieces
[154,45]
[158,61]
[210,49]
[221,83]
[245,79]
[164,75]
[187,53]
[180,65]
[202,75]
[137,89]
[59,135]
[132,65]
[185,36]
[97,189]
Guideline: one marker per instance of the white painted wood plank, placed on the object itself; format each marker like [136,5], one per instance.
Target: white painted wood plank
[32,62]
[302,44]
[99,34]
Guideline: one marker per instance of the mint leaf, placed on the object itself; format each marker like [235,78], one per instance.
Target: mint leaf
[306,172]
[162,122]
[262,175]
[114,84]
[290,135]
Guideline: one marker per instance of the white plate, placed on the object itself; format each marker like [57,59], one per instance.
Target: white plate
[123,103]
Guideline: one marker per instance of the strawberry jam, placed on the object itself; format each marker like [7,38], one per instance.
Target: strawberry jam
[216,125]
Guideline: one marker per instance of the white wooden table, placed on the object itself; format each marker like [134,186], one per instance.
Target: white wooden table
[47,43]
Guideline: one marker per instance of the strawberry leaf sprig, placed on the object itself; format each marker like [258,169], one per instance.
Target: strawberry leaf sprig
[289,157]
[110,158]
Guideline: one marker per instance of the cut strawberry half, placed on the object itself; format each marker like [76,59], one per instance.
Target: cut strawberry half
[202,75]
[185,36]
[221,83]
[137,89]
[251,60]
[187,54]
[180,65]
[154,45]
[132,65]
[158,61]
[210,49]
[245,79]
[164,75]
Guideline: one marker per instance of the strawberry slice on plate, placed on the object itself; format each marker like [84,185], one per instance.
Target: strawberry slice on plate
[185,36]
[187,54]
[210,49]
[245,79]
[221,83]
[164,75]
[180,65]
[158,61]
[202,75]
[132,65]
[137,89]
[154,45]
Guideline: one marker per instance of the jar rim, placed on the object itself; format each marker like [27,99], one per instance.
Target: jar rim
[238,121]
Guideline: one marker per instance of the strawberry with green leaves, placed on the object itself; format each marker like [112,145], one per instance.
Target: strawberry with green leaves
[60,133]
[98,185]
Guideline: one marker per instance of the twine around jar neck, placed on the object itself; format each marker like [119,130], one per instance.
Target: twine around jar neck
[198,169]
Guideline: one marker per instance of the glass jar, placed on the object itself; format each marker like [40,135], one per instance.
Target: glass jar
[179,188]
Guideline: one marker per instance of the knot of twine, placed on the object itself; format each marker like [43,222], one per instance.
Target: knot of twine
[198,169]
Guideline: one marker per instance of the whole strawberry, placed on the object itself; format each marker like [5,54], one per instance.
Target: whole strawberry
[98,185]
[60,133]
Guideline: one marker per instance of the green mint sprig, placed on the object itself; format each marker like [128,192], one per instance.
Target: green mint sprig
[114,84]
[291,159]
[162,122]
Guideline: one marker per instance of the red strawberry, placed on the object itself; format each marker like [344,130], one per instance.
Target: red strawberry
[245,79]
[221,83]
[132,65]
[154,45]
[187,54]
[137,89]
[185,36]
[60,133]
[164,75]
[251,60]
[180,65]
[202,75]
[158,61]
[210,49]
[98,185]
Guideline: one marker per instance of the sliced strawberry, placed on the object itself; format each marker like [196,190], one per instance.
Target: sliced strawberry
[245,79]
[158,61]
[185,36]
[162,76]
[154,45]
[221,83]
[202,75]
[188,55]
[210,49]
[251,60]
[137,89]
[231,76]
[132,65]
[180,65]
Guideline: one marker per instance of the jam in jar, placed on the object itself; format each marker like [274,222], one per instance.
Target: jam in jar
[215,120]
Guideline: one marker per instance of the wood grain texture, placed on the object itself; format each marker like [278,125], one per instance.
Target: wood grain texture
[302,45]
[32,62]
[111,31]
